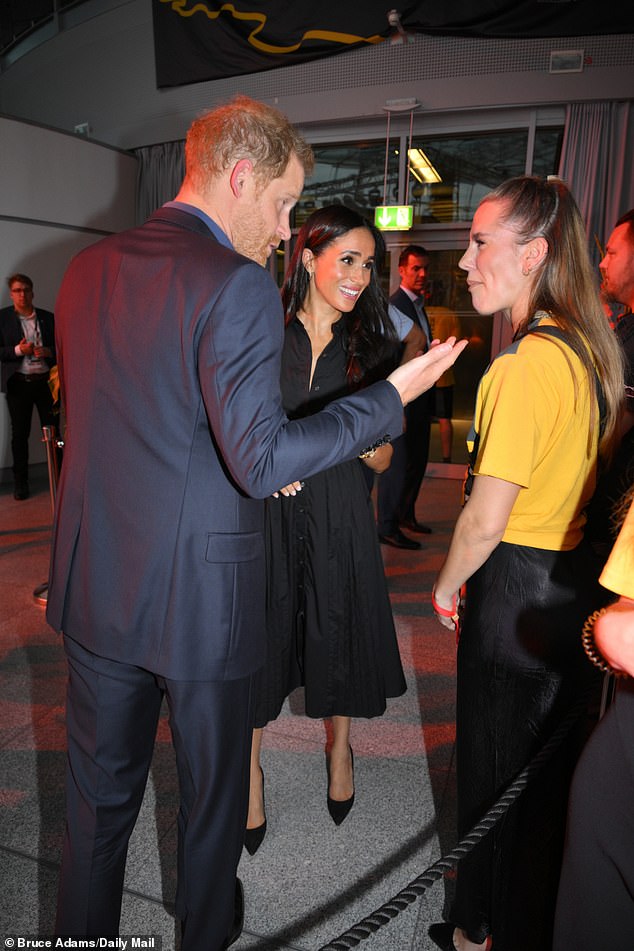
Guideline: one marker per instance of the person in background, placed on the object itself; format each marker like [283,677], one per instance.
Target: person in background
[444,323]
[169,339]
[329,619]
[412,342]
[617,272]
[547,409]
[398,488]
[595,904]
[27,353]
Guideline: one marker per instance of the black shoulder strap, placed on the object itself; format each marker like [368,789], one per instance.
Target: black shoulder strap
[549,331]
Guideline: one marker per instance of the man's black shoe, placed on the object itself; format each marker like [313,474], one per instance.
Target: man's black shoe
[398,540]
[413,526]
[21,492]
[238,915]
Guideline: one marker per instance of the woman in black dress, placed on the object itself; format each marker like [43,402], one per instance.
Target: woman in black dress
[329,625]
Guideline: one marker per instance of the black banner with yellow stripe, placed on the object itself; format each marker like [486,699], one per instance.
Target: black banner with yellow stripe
[197,40]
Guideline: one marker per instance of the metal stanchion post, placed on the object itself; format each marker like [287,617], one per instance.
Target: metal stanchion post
[40,595]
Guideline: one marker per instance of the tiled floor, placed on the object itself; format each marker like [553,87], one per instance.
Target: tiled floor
[310,881]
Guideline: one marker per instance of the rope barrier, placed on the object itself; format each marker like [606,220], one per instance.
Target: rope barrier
[391,909]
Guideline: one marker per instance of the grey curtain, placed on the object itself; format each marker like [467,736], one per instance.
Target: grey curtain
[597,163]
[160,174]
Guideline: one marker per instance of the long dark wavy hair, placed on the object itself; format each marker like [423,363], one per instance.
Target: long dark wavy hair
[372,342]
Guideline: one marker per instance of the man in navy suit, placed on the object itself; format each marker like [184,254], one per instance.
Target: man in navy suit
[27,352]
[399,486]
[169,339]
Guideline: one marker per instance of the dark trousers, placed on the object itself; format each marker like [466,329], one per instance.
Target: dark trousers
[22,395]
[399,486]
[595,906]
[111,719]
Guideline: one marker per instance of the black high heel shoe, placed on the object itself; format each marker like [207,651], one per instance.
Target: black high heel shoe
[442,935]
[253,837]
[339,808]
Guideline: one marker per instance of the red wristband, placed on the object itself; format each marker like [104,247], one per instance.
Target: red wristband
[446,612]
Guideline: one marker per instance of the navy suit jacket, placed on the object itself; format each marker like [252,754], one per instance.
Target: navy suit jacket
[11,333]
[169,351]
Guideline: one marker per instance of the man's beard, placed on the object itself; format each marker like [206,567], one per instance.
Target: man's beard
[251,237]
[606,294]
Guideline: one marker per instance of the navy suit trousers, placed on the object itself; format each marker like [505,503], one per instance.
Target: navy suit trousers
[112,717]
[399,485]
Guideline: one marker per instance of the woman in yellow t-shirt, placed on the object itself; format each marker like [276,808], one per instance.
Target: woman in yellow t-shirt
[546,410]
[595,906]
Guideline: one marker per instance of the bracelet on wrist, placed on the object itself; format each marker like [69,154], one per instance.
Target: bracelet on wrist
[452,613]
[369,452]
[590,647]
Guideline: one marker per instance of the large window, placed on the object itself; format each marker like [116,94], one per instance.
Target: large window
[466,167]
[463,167]
[351,174]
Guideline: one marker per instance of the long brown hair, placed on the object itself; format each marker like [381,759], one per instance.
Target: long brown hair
[567,287]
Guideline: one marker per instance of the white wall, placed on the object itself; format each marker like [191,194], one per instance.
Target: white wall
[58,194]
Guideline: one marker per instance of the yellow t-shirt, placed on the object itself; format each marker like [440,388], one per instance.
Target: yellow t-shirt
[618,573]
[533,417]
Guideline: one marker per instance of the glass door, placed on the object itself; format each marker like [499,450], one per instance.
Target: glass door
[448,304]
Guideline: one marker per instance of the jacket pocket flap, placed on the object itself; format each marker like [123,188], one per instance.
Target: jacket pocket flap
[232,547]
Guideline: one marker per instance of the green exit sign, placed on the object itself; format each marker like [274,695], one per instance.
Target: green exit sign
[394,217]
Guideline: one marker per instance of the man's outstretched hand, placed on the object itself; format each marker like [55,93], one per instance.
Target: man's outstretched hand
[417,375]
